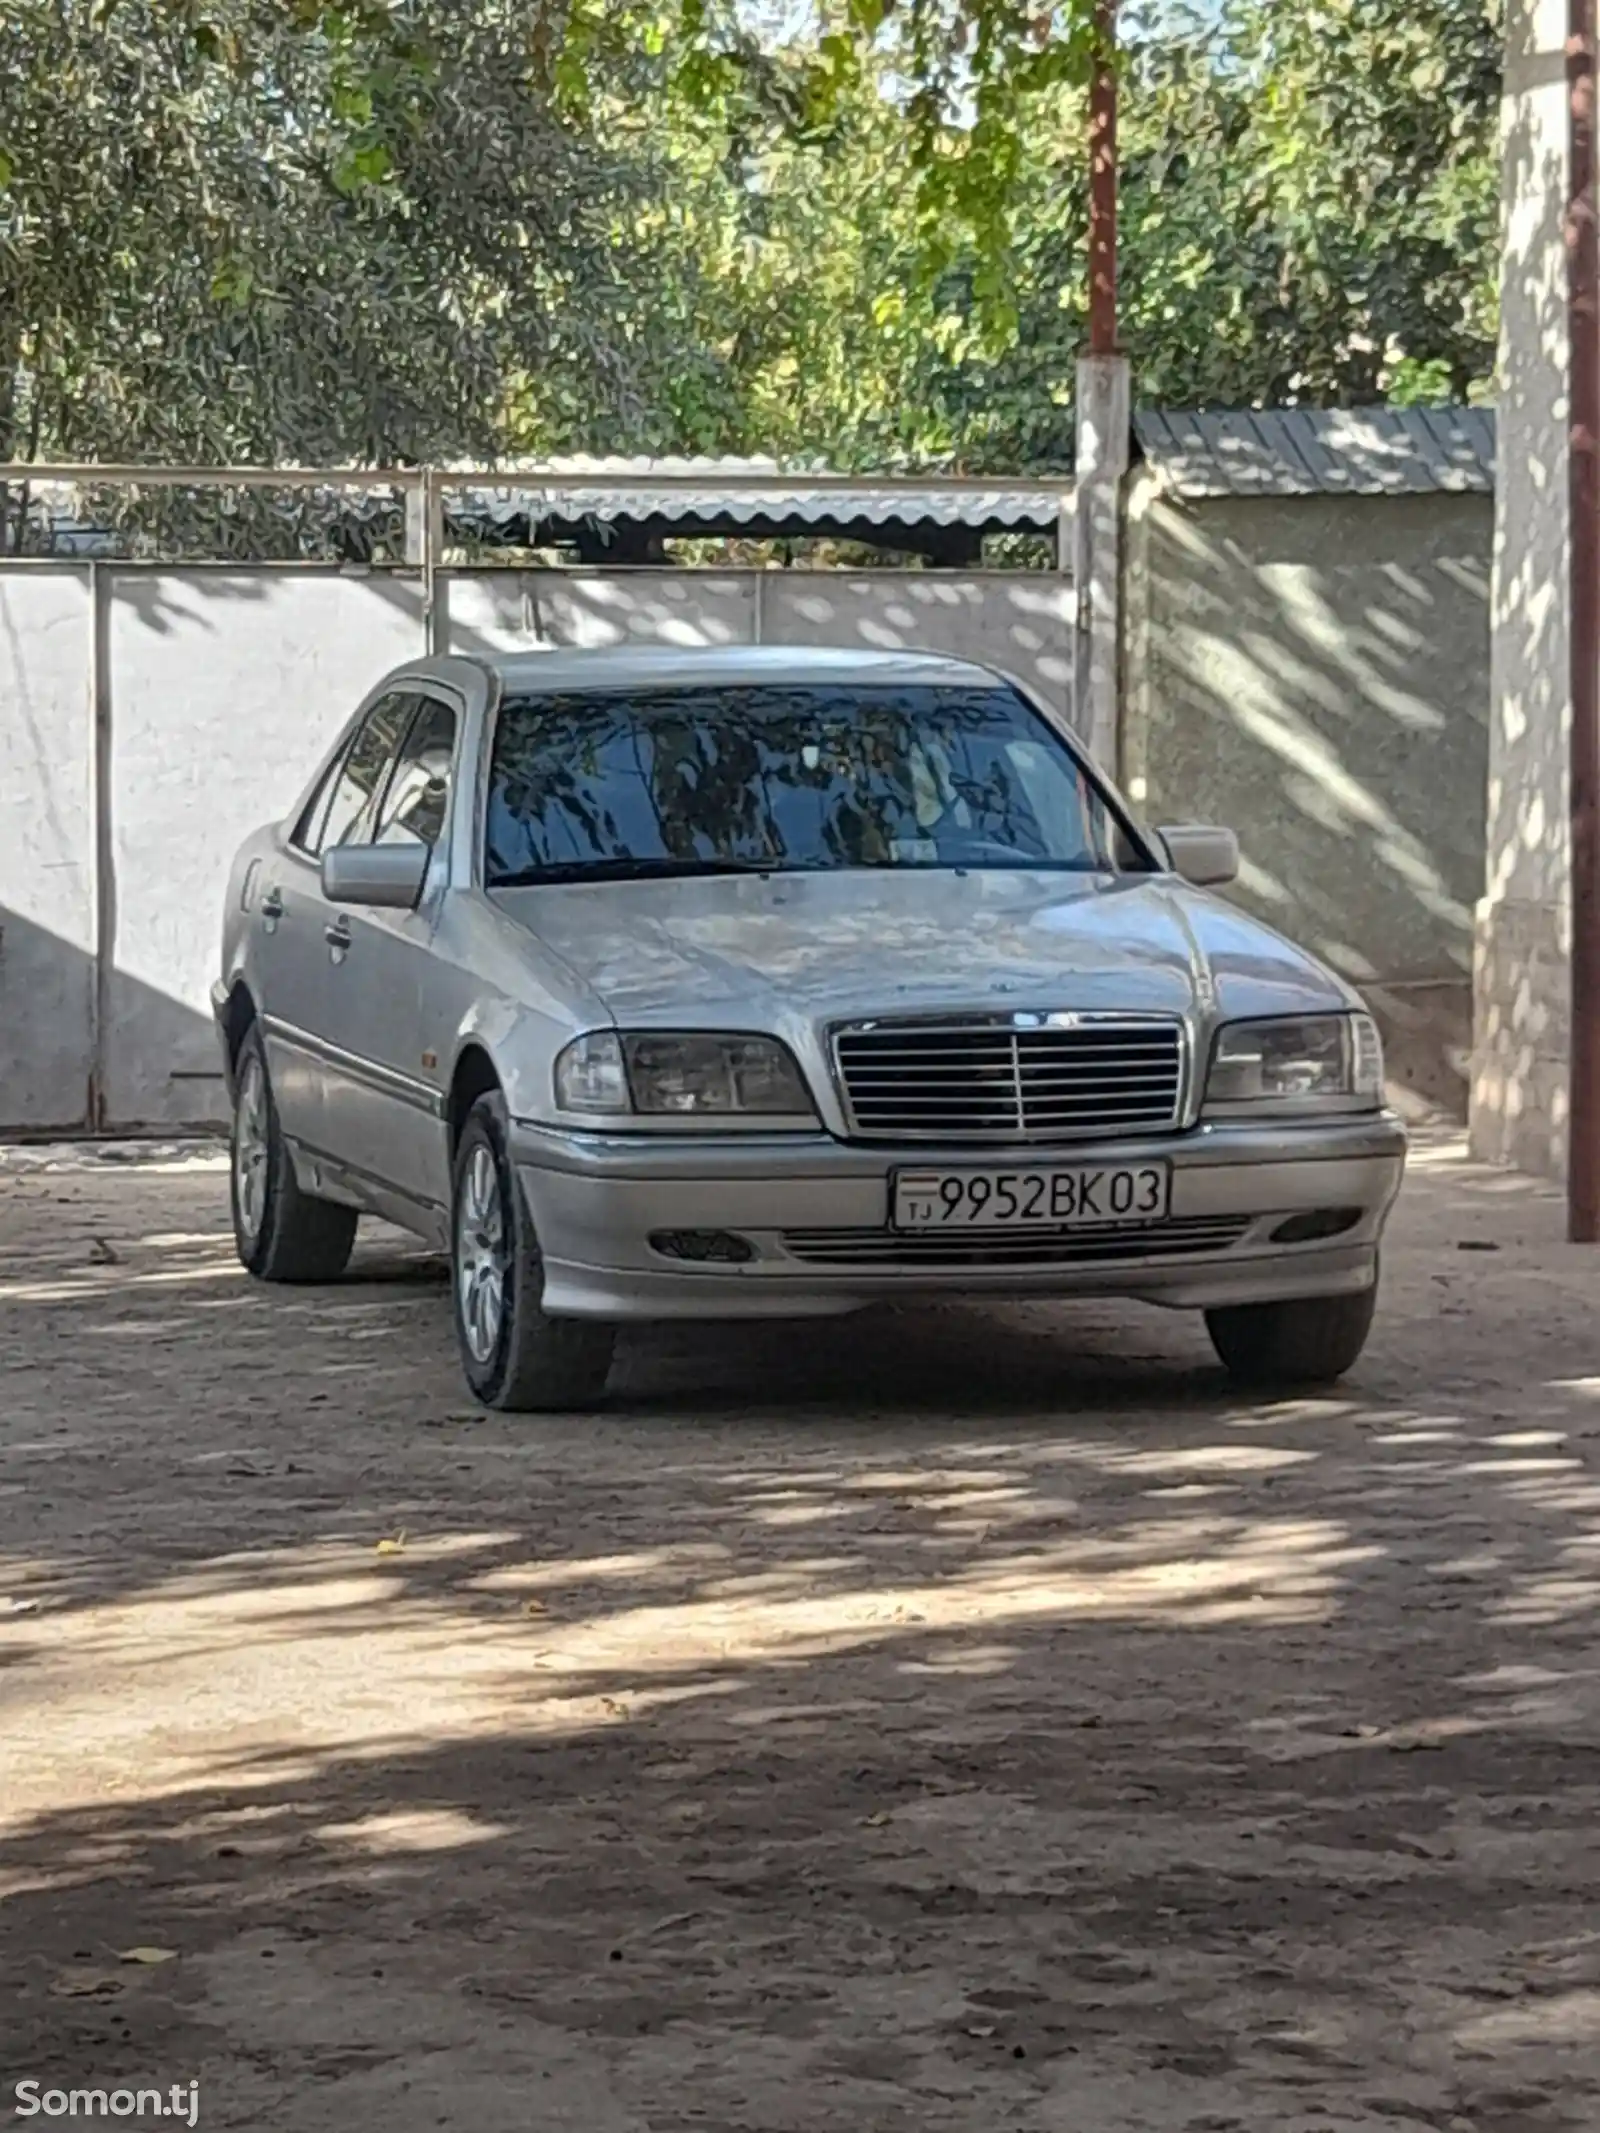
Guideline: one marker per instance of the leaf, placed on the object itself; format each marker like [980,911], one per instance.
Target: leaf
[534,1607]
[149,1956]
[393,1545]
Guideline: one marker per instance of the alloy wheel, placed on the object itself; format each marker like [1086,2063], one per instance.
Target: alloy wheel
[252,1149]
[481,1255]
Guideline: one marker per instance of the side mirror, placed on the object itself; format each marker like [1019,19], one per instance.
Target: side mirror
[1203,855]
[389,876]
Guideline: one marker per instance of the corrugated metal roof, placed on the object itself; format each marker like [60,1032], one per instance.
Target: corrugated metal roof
[1384,451]
[748,491]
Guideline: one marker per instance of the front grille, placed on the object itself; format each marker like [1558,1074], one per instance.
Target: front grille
[1075,1247]
[1029,1078]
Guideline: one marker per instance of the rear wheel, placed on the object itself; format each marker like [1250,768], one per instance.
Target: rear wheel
[282,1233]
[513,1354]
[1312,1340]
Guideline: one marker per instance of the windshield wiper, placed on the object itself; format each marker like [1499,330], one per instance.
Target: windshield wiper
[559,870]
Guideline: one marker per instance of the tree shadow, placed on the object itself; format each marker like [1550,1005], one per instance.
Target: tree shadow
[929,1720]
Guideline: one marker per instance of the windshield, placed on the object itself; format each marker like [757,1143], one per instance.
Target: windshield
[771,778]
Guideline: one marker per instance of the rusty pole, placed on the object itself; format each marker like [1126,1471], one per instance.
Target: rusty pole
[1103,183]
[1583,474]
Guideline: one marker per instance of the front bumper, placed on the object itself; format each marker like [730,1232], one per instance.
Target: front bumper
[815,1212]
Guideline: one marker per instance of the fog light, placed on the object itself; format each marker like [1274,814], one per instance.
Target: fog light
[1321,1222]
[719,1247]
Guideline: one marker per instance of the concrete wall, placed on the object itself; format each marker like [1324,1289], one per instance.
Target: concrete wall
[1022,623]
[1523,971]
[47,862]
[223,690]
[123,797]
[1314,672]
[1311,671]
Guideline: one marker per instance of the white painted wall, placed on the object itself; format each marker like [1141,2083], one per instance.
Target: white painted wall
[47,883]
[221,690]
[1020,622]
[225,688]
[505,610]
[1523,932]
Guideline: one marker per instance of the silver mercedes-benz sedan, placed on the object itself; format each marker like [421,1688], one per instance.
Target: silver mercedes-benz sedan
[757,983]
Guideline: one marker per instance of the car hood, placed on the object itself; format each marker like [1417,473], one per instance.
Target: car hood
[757,951]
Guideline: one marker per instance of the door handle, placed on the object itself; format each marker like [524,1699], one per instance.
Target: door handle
[272,903]
[337,933]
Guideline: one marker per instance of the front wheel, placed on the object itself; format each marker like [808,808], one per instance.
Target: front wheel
[514,1355]
[1310,1341]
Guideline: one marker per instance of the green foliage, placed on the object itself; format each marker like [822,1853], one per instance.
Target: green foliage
[253,232]
[384,231]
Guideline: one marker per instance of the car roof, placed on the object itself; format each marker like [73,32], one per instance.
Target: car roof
[671,666]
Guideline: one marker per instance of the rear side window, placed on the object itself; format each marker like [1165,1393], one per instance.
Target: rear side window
[355,779]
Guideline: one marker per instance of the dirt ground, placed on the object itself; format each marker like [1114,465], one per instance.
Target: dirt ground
[960,1719]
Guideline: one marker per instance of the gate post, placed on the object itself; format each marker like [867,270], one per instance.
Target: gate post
[1104,415]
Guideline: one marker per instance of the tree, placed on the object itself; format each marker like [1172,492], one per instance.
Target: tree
[379,231]
[273,241]
[1309,213]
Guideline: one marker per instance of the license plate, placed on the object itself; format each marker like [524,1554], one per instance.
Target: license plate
[1075,1196]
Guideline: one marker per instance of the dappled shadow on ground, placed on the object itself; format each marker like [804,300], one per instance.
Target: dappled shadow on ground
[940,1719]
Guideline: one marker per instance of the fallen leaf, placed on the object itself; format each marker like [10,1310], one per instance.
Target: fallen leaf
[396,1546]
[980,2029]
[147,1955]
[875,1821]
[534,1607]
[103,1254]
[22,1607]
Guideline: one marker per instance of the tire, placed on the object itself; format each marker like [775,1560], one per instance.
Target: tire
[513,1355]
[1313,1340]
[281,1233]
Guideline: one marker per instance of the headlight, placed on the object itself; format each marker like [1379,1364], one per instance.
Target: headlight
[687,1074]
[1319,1061]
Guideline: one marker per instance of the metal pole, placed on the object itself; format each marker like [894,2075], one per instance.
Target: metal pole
[432,634]
[1583,473]
[1103,184]
[102,791]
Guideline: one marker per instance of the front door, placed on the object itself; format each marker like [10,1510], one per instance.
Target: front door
[296,920]
[383,1113]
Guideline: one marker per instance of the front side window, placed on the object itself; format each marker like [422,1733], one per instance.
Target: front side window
[360,775]
[417,797]
[776,779]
